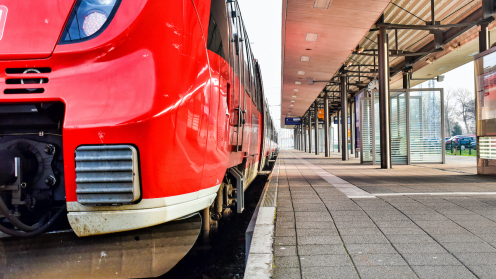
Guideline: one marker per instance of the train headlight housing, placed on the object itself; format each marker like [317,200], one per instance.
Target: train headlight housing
[88,19]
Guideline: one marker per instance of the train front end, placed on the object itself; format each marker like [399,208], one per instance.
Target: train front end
[101,115]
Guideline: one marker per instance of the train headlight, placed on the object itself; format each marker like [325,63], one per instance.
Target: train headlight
[93,22]
[88,19]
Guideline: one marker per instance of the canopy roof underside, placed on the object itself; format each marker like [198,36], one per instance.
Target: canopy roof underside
[346,26]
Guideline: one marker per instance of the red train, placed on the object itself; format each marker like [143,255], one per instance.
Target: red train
[129,114]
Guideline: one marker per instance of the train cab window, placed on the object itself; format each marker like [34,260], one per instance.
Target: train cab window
[234,31]
[218,32]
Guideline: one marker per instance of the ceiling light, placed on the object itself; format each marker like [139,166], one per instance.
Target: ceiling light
[297,82]
[291,105]
[322,4]
[311,37]
[359,50]
[292,101]
[473,54]
[301,73]
[305,58]
[349,63]
[310,80]
[294,96]
[296,90]
[440,69]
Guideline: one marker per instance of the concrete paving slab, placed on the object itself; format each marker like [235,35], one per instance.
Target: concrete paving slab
[317,232]
[285,240]
[335,249]
[429,222]
[285,250]
[339,272]
[443,272]
[362,249]
[483,271]
[431,259]
[305,240]
[378,259]
[287,273]
[423,248]
[325,260]
[289,261]
[386,272]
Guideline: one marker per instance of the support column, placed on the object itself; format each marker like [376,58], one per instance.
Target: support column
[326,124]
[316,117]
[297,137]
[301,135]
[295,144]
[406,80]
[338,114]
[384,99]
[487,12]
[353,128]
[344,118]
[304,136]
[309,131]
[484,41]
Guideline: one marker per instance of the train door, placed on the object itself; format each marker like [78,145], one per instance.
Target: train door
[235,53]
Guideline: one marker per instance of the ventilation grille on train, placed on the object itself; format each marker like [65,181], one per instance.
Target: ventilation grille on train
[107,175]
[31,78]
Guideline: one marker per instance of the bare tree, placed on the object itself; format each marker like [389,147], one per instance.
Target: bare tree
[450,109]
[466,100]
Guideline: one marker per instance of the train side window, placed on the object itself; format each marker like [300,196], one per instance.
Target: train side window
[232,39]
[214,41]
[218,30]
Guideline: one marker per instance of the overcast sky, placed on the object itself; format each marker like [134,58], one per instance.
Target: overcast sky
[461,77]
[263,23]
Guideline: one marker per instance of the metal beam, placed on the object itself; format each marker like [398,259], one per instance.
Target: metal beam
[385,140]
[344,118]
[448,36]
[404,53]
[339,130]
[431,27]
[406,80]
[309,132]
[326,125]
[304,136]
[363,72]
[352,129]
[316,119]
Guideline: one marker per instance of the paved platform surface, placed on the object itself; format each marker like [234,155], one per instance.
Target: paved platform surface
[340,219]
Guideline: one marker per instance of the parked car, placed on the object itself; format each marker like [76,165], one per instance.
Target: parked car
[464,140]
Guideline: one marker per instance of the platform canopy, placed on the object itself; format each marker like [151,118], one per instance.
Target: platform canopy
[332,35]
[324,32]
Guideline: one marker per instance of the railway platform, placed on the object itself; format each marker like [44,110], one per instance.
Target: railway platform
[341,219]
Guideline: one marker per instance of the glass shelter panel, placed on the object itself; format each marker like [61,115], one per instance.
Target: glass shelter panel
[416,126]
[426,144]
[399,147]
[366,130]
[377,128]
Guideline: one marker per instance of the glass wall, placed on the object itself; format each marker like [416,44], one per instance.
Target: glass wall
[366,130]
[416,127]
[399,146]
[426,139]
